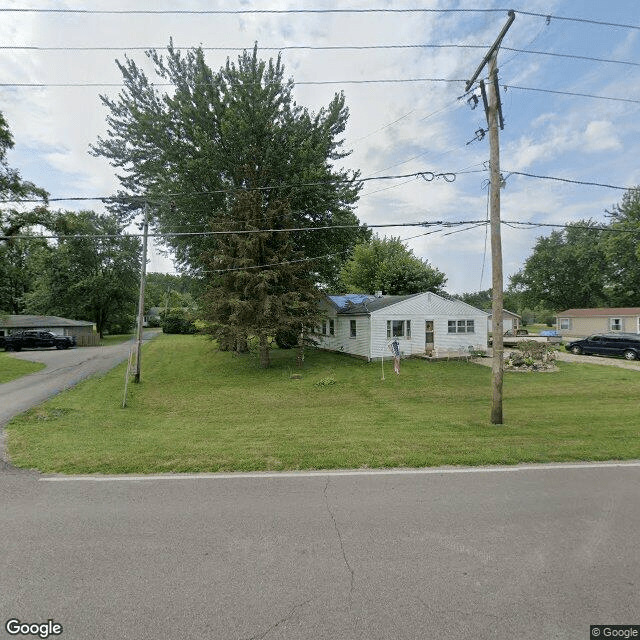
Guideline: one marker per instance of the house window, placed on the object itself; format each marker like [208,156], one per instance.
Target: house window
[565,323]
[332,328]
[352,328]
[324,327]
[461,326]
[616,324]
[398,329]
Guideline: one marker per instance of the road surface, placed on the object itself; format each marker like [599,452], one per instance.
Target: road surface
[529,552]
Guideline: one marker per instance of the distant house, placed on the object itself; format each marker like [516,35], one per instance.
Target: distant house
[364,325]
[584,322]
[80,329]
[152,316]
[510,321]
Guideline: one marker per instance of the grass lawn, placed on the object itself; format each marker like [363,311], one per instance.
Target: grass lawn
[109,341]
[198,409]
[12,368]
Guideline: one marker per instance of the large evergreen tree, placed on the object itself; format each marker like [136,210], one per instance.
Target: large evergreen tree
[236,153]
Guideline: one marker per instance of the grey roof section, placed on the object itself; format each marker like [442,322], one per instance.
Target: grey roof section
[357,304]
[39,322]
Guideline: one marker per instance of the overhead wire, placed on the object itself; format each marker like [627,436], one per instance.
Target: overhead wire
[546,16]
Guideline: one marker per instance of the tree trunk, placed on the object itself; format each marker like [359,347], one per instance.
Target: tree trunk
[241,345]
[265,360]
[300,350]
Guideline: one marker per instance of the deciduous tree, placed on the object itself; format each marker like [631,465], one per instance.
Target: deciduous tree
[89,278]
[567,269]
[387,265]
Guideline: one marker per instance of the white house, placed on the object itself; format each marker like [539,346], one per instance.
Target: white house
[510,321]
[364,325]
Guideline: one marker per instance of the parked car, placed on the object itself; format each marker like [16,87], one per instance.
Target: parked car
[617,344]
[37,340]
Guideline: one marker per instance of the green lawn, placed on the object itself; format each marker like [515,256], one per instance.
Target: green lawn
[12,368]
[201,410]
[109,341]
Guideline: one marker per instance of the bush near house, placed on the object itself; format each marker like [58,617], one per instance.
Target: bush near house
[177,321]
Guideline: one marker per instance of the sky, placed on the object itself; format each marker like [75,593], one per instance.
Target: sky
[403,126]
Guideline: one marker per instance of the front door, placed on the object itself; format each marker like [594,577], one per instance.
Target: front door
[428,336]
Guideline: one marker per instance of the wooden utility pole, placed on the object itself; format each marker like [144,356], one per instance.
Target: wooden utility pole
[143,275]
[496,246]
[494,119]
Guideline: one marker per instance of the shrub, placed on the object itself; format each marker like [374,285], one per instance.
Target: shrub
[177,321]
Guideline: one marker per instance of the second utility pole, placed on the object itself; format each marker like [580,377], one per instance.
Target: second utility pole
[494,117]
[143,275]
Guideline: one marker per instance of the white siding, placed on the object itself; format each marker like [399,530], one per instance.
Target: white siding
[371,339]
[428,306]
[342,340]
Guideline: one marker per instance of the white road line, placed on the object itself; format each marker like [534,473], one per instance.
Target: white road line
[260,475]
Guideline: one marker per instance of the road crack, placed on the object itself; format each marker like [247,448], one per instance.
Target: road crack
[282,620]
[344,554]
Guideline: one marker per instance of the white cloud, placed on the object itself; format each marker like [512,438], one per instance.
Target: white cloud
[600,135]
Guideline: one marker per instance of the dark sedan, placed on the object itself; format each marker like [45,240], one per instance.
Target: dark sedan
[618,344]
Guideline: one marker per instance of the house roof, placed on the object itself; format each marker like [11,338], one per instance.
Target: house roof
[39,322]
[511,313]
[595,313]
[362,303]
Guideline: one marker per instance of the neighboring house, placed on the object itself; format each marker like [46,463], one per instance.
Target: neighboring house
[152,315]
[510,321]
[80,329]
[585,322]
[364,325]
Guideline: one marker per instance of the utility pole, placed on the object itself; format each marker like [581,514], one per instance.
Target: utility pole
[143,274]
[494,118]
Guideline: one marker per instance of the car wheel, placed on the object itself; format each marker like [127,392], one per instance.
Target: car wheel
[630,355]
[576,350]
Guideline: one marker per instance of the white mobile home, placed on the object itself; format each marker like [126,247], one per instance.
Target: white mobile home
[424,323]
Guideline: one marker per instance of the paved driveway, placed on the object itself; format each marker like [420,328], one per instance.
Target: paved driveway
[64,369]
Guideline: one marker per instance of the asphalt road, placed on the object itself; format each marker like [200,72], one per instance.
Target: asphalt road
[537,552]
[64,369]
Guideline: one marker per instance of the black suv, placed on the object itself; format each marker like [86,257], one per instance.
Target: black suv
[37,340]
[616,344]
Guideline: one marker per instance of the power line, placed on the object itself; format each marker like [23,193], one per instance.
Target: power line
[546,16]
[573,19]
[472,224]
[583,182]
[239,11]
[227,232]
[107,85]
[571,93]
[428,176]
[303,47]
